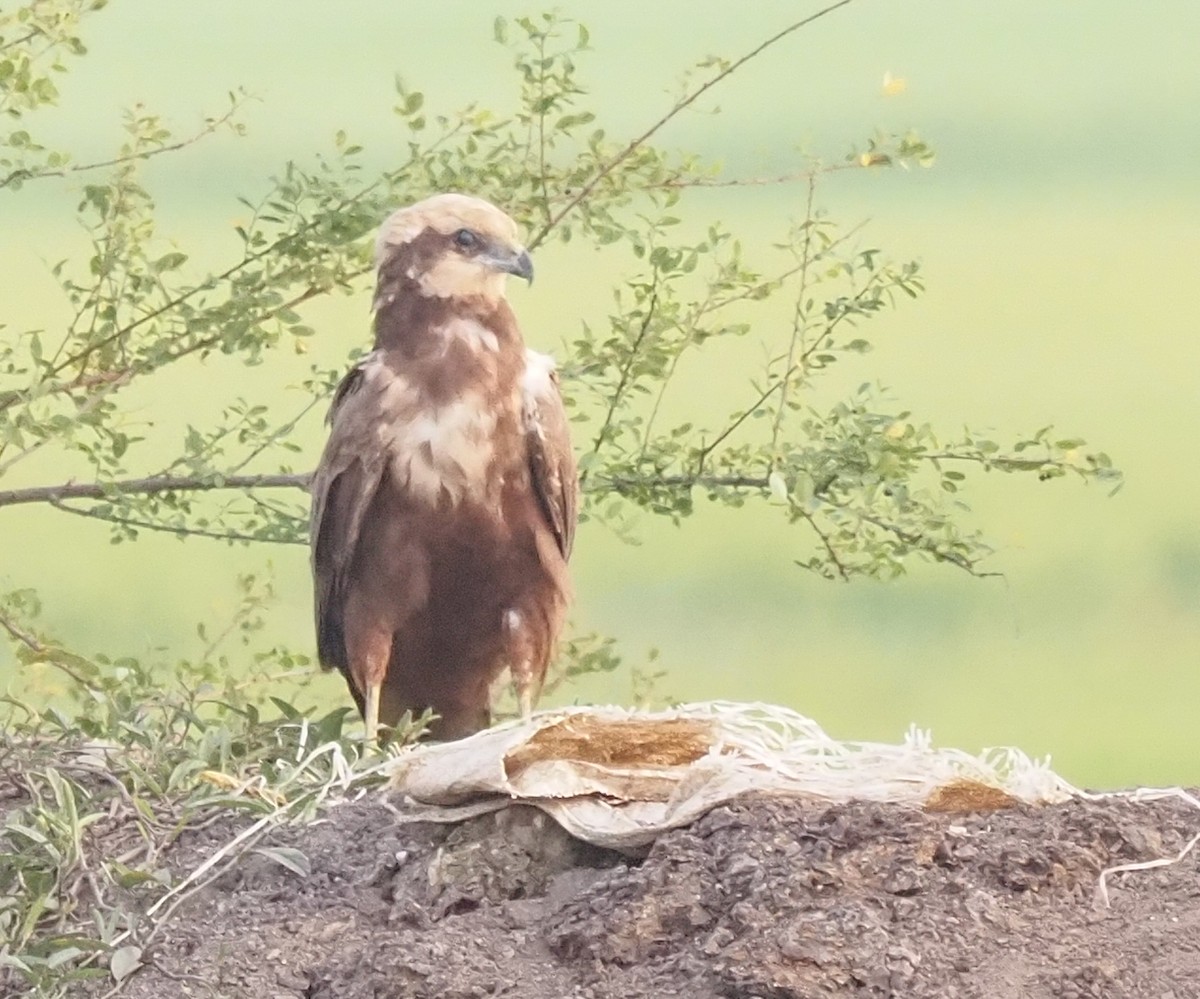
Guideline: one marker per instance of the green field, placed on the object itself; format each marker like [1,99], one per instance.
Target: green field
[1059,240]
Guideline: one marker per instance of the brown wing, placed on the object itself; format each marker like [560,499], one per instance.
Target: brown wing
[551,460]
[343,486]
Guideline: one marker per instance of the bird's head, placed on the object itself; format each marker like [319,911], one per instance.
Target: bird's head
[453,246]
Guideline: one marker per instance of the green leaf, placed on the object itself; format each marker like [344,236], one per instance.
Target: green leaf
[287,710]
[169,262]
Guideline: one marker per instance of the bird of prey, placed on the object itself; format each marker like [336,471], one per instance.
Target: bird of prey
[444,506]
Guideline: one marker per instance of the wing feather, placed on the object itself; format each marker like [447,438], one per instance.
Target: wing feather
[343,487]
[552,467]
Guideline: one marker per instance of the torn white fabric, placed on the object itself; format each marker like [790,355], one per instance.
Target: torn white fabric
[619,778]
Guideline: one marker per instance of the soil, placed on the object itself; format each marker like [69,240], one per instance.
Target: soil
[768,897]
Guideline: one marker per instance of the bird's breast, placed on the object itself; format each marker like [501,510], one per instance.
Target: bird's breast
[451,450]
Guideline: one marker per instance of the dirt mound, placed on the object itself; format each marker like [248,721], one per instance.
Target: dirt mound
[768,897]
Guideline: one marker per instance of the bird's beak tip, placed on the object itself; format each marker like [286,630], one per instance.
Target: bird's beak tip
[523,266]
[512,260]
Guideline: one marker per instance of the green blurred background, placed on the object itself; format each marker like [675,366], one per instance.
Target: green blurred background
[1059,234]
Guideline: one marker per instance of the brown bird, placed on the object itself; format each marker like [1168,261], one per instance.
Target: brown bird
[444,505]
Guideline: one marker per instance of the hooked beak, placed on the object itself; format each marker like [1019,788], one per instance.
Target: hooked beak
[515,262]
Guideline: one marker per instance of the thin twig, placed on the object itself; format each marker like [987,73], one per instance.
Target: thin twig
[176,529]
[799,322]
[829,549]
[276,511]
[782,276]
[146,365]
[279,432]
[707,449]
[24,174]
[711,304]
[784,178]
[585,191]
[623,484]
[49,655]
[541,127]
[10,398]
[627,369]
[82,409]
[690,326]
[120,379]
[921,543]
[627,483]
[1001,462]
[27,37]
[21,635]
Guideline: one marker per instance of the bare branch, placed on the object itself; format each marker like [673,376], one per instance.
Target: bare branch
[151,485]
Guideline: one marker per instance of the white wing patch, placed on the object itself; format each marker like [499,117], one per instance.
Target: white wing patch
[537,383]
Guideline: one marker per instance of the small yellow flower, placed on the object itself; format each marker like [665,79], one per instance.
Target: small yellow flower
[893,85]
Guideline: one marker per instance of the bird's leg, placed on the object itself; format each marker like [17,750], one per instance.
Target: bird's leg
[525,679]
[369,653]
[527,687]
[371,713]
[525,701]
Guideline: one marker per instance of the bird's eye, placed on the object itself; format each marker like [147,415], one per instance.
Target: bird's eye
[465,238]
